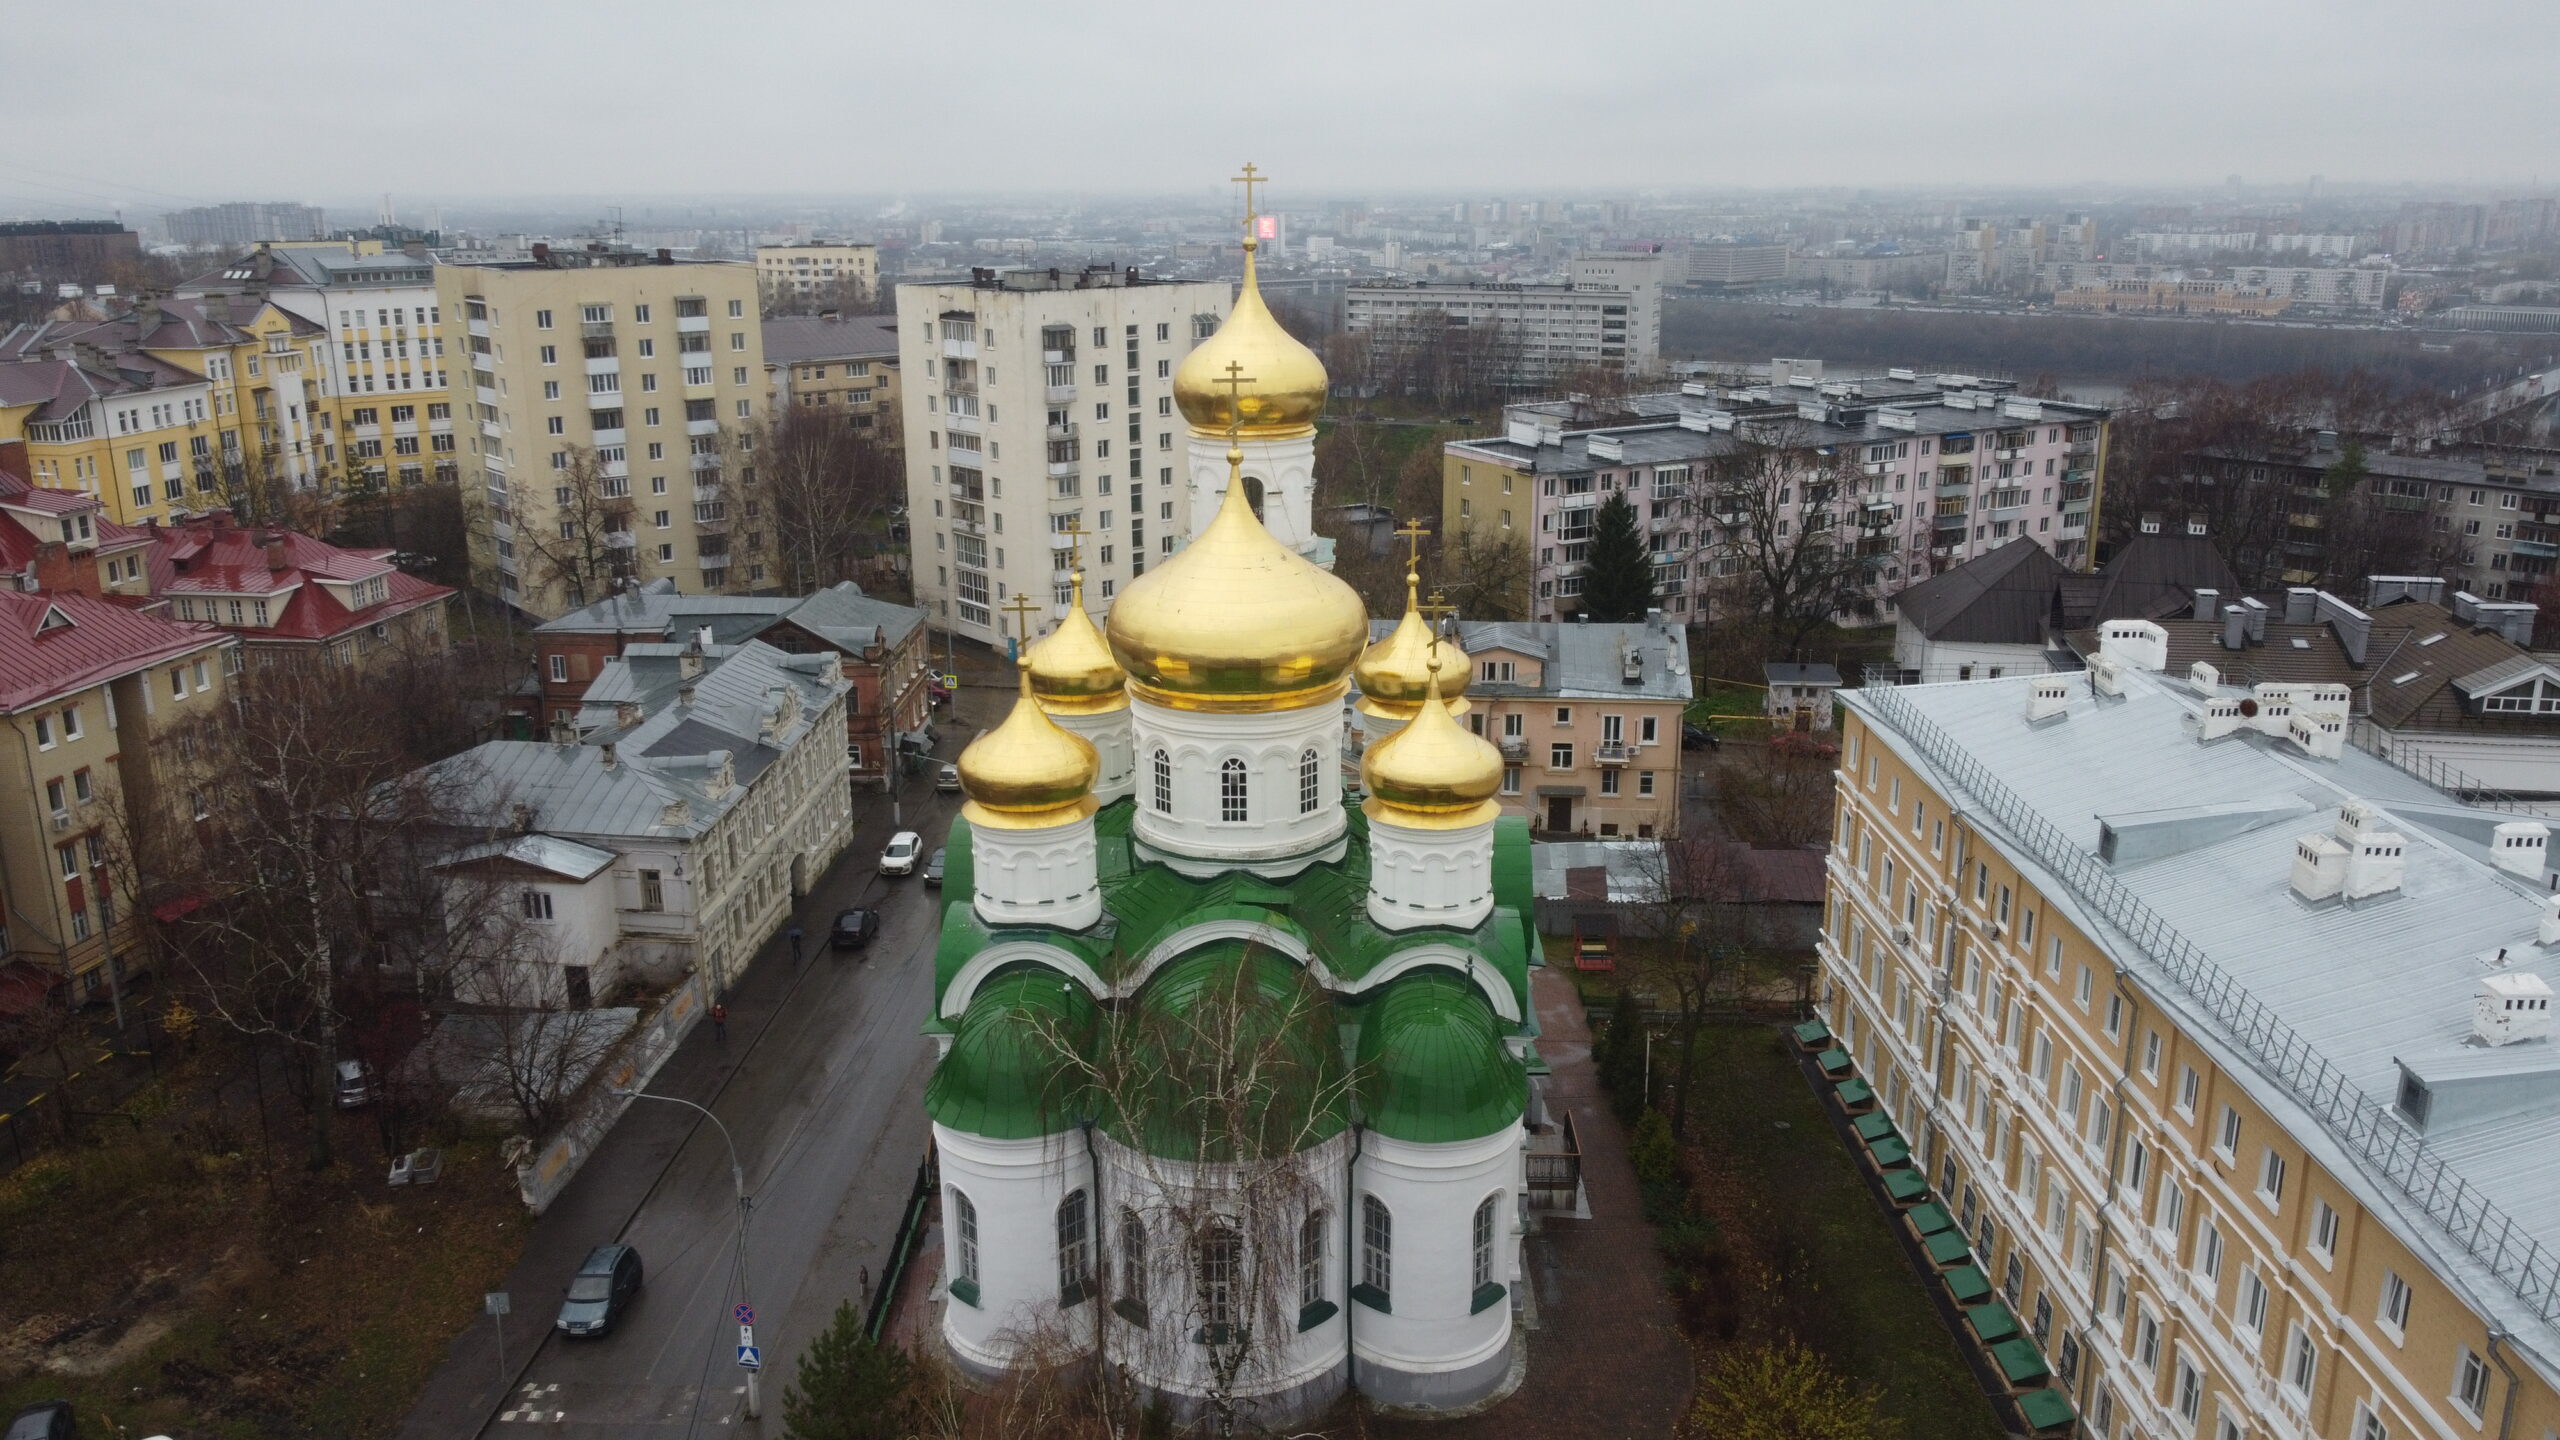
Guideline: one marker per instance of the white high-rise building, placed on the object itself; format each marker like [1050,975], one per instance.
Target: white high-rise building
[1038,403]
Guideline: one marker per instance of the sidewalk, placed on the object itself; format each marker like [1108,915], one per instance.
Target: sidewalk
[1607,1360]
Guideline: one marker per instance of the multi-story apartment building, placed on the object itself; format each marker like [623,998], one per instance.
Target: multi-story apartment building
[2273,288]
[818,274]
[243,223]
[881,647]
[1988,255]
[1734,266]
[1639,275]
[90,693]
[693,821]
[1083,362]
[65,249]
[1873,271]
[1548,330]
[1587,718]
[386,414]
[835,365]
[1920,473]
[171,407]
[613,391]
[2227,1045]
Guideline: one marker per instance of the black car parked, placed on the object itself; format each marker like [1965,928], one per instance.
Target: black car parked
[600,1291]
[1697,737]
[933,868]
[854,929]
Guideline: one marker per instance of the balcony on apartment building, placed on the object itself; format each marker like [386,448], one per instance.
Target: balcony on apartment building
[1612,754]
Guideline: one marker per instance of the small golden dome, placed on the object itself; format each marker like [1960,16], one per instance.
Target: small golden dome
[1284,381]
[1027,773]
[1072,670]
[1395,674]
[1236,621]
[1433,774]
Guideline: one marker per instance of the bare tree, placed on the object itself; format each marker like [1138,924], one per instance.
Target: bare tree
[519,1035]
[1778,795]
[824,490]
[583,547]
[1486,577]
[1700,919]
[1784,517]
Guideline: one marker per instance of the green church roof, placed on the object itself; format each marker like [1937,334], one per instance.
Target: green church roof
[1433,1068]
[1015,1070]
[1229,1053]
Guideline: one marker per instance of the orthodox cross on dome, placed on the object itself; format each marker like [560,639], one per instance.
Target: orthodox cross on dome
[1413,530]
[1250,178]
[1075,532]
[1235,380]
[1021,605]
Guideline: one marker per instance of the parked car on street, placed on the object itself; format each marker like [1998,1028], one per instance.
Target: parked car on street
[1698,737]
[48,1421]
[357,1086]
[600,1291]
[946,781]
[853,929]
[933,868]
[905,849]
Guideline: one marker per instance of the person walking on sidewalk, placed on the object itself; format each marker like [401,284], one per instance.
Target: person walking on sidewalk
[720,1025]
[794,935]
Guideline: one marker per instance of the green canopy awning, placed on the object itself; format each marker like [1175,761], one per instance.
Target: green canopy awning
[1992,1322]
[2045,1410]
[1947,1248]
[2021,1362]
[1906,1187]
[1813,1034]
[1890,1153]
[1854,1094]
[1872,1128]
[1834,1061]
[1968,1285]
[1931,1218]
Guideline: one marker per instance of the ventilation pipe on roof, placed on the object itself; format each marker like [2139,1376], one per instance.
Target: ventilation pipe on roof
[2207,602]
[2106,675]
[606,755]
[2256,610]
[2137,644]
[2376,861]
[2319,867]
[2548,932]
[2466,606]
[2235,628]
[2204,677]
[2223,715]
[2050,697]
[2509,1007]
[2320,734]
[2518,847]
[2301,605]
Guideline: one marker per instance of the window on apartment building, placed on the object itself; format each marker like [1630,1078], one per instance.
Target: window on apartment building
[2271,1177]
[2146,1339]
[2252,1310]
[2393,1314]
[1559,756]
[2189,1084]
[2324,1232]
[2368,1426]
[2188,1391]
[536,904]
[2471,1384]
[653,891]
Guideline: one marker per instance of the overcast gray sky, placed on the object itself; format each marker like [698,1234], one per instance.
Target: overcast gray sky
[157,102]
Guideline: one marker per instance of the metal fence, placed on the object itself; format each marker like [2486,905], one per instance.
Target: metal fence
[903,1248]
[2453,780]
[2364,1126]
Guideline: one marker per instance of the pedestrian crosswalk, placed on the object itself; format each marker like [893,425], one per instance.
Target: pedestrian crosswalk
[577,1408]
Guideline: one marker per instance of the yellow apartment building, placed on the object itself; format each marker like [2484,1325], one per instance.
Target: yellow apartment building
[802,276]
[90,692]
[2228,1045]
[170,408]
[642,371]
[836,366]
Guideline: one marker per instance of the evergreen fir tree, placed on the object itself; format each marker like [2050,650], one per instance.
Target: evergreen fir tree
[1618,585]
[849,1387]
[1620,1056]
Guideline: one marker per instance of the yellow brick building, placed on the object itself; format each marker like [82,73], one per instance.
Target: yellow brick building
[2200,1040]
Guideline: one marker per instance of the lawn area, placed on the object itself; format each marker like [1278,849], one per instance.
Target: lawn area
[1791,1200]
[162,1284]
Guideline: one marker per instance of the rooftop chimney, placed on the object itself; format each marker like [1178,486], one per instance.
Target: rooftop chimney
[2049,697]
[2466,606]
[2150,524]
[666,256]
[2511,1006]
[2195,525]
[2518,847]
[2207,602]
[2256,610]
[2235,628]
[605,753]
[541,253]
[276,561]
[2301,605]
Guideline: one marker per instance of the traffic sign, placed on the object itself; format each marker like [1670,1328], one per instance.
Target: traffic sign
[496,1302]
[746,1314]
[749,1358]
[951,680]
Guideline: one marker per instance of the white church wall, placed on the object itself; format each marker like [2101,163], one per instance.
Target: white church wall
[1014,1187]
[1036,877]
[1193,837]
[1430,877]
[1431,1346]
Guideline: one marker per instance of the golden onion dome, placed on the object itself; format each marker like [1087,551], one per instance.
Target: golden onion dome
[1027,773]
[1237,621]
[1395,674]
[1284,381]
[1433,774]
[1072,669]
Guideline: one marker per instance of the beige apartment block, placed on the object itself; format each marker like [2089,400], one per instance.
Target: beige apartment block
[800,275]
[645,372]
[2227,1044]
[836,366]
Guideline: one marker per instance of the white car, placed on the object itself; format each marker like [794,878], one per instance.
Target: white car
[906,848]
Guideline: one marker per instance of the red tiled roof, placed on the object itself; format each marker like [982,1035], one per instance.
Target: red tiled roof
[209,556]
[42,656]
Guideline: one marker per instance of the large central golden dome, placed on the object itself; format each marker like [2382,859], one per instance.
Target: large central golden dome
[1284,381]
[1236,621]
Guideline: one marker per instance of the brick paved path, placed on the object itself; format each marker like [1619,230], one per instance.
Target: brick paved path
[1607,1361]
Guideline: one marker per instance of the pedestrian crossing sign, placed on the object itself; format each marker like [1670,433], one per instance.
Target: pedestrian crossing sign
[749,1358]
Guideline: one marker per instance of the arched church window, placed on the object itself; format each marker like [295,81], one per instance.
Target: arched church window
[1133,1267]
[1164,783]
[1311,1266]
[1231,791]
[1075,1250]
[1485,1214]
[964,1250]
[1310,776]
[1221,1270]
[1377,1252]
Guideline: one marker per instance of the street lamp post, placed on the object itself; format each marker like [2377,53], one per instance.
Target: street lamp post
[738,1183]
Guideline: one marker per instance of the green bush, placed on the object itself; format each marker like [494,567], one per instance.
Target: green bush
[1619,1055]
[1783,1391]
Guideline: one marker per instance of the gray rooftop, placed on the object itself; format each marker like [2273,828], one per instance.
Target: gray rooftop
[1666,439]
[2361,987]
[799,339]
[840,614]
[1579,661]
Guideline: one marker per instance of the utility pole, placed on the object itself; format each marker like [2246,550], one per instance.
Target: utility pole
[738,1183]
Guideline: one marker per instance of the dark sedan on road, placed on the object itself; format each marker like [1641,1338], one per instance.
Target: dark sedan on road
[853,929]
[933,868]
[601,1290]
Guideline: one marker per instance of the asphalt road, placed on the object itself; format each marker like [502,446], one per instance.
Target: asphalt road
[824,1102]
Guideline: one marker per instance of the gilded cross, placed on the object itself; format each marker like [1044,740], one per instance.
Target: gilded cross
[1413,530]
[1433,611]
[1021,605]
[1235,381]
[1075,532]
[1250,178]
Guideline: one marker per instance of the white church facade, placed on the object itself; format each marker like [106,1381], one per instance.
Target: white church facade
[1234,1062]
